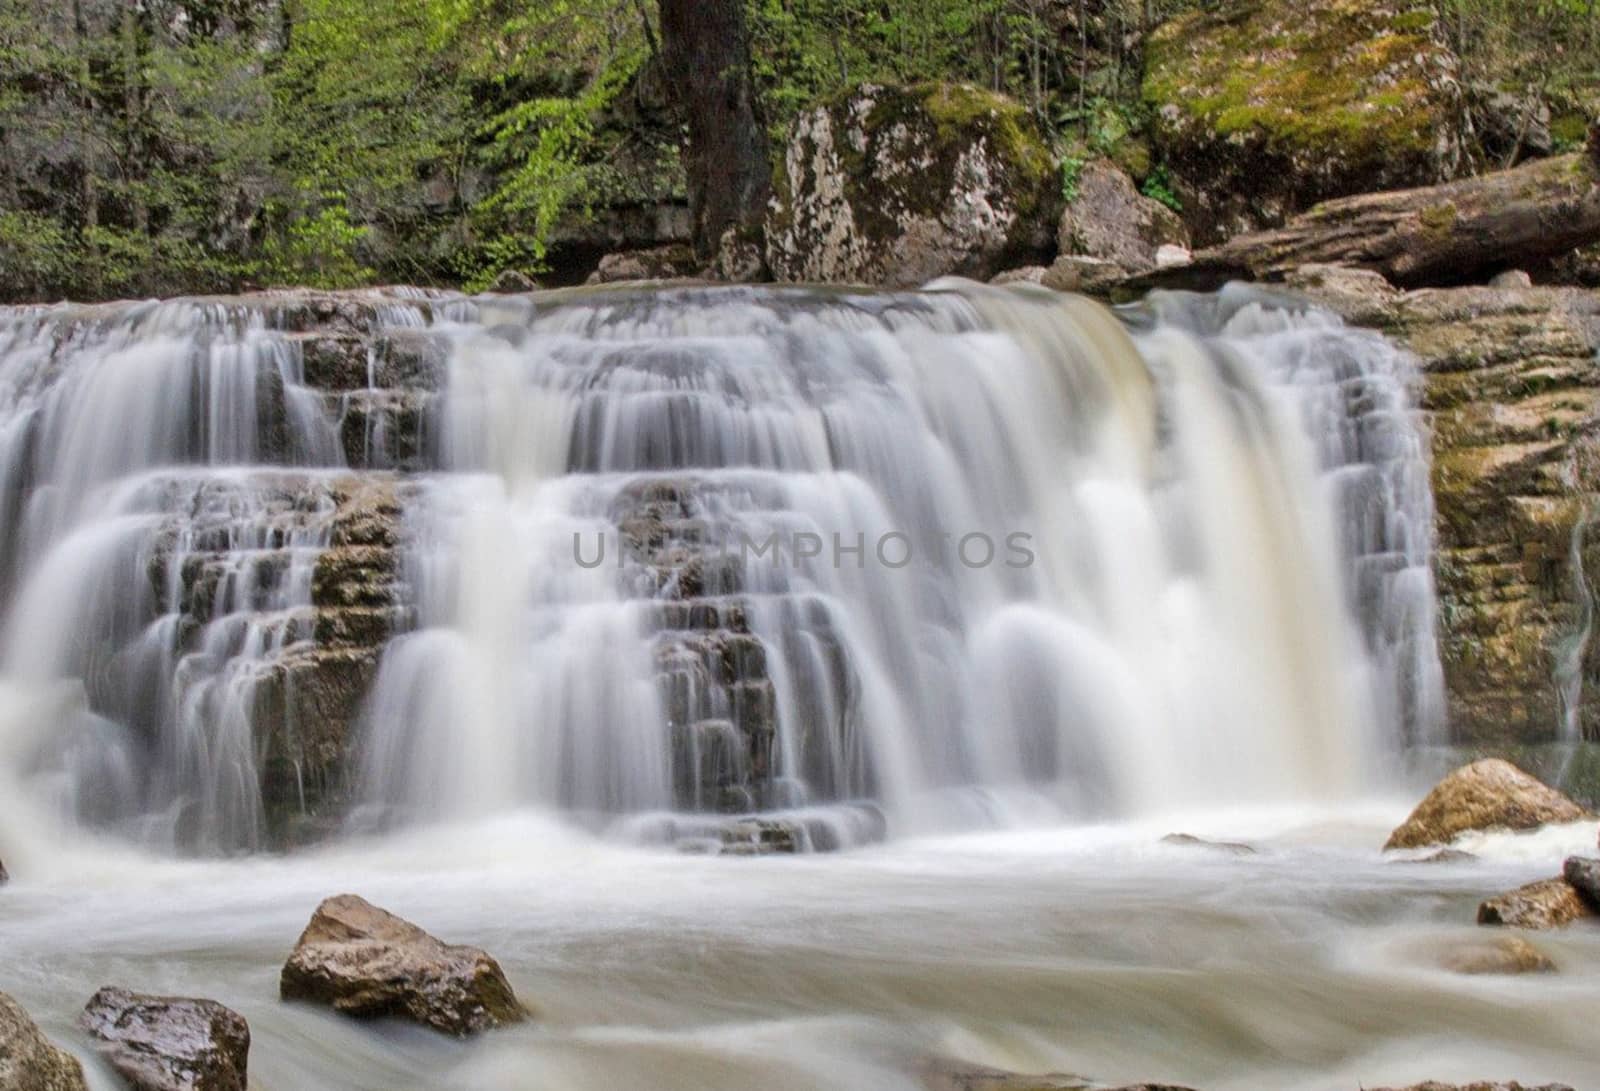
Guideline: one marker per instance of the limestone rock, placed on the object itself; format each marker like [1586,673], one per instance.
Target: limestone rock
[1108,218]
[661,263]
[1488,794]
[28,1061]
[1495,954]
[1027,274]
[512,282]
[944,1075]
[1510,280]
[368,963]
[1548,903]
[1510,126]
[899,185]
[1262,108]
[168,1043]
[1583,873]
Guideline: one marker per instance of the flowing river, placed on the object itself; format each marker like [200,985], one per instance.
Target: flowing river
[541,616]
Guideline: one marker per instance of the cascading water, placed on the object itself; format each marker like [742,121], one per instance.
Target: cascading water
[919,558]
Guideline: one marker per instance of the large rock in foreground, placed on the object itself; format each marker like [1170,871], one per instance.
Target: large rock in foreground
[368,963]
[1265,107]
[169,1043]
[28,1061]
[1486,795]
[899,185]
[1548,903]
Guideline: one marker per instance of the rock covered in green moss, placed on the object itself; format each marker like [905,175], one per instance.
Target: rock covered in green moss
[1265,107]
[898,185]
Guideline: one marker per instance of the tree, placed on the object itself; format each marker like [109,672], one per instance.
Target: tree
[705,52]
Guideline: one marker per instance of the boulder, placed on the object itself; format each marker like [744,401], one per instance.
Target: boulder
[1510,125]
[1548,903]
[1090,276]
[1510,280]
[368,963]
[28,1061]
[661,263]
[1027,274]
[1262,108]
[1583,874]
[1495,954]
[1109,218]
[169,1043]
[899,185]
[513,282]
[1488,794]
[5,876]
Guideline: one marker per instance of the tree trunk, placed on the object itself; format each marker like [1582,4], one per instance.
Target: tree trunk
[1455,233]
[706,52]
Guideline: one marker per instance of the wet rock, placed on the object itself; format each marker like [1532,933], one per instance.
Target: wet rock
[368,963]
[1497,1086]
[513,282]
[5,876]
[1549,903]
[1488,794]
[1497,954]
[1236,848]
[1583,873]
[943,1075]
[741,257]
[1090,276]
[1171,255]
[1108,218]
[1443,856]
[168,1043]
[1027,274]
[899,185]
[660,263]
[28,1061]
[1262,108]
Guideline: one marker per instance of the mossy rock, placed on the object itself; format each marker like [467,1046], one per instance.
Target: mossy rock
[1262,108]
[898,185]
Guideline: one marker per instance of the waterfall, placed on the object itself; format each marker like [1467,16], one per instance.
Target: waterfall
[654,556]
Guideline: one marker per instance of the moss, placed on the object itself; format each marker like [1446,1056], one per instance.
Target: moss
[1569,130]
[1345,84]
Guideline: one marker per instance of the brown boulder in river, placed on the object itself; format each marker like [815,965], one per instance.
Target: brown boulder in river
[1486,795]
[1583,873]
[1549,903]
[169,1043]
[368,963]
[1506,953]
[28,1060]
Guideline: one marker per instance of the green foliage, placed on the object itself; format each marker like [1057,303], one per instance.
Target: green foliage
[1158,186]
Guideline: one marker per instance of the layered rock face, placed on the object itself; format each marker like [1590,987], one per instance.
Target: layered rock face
[1512,383]
[898,185]
[1265,107]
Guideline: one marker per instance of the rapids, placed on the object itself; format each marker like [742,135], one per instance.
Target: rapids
[1036,584]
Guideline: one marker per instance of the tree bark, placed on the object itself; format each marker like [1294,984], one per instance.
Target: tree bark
[1456,233]
[705,49]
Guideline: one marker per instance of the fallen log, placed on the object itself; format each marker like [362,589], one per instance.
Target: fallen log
[1455,233]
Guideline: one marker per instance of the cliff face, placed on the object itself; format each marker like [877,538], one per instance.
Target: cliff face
[1512,384]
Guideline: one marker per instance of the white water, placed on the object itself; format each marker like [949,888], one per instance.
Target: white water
[1226,628]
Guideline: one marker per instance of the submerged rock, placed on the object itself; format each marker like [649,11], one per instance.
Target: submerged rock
[28,1060]
[368,963]
[1237,848]
[945,1075]
[1109,218]
[1583,874]
[1486,795]
[1263,108]
[1548,903]
[1443,856]
[899,185]
[1496,954]
[1497,1086]
[169,1043]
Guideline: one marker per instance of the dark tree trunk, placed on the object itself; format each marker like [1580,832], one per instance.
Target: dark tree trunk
[705,50]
